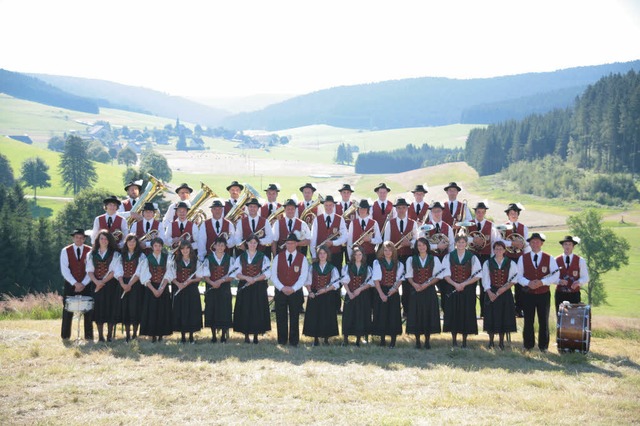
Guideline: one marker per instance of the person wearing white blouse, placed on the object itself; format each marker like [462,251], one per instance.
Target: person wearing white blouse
[388,273]
[323,280]
[187,308]
[130,290]
[356,315]
[216,272]
[156,307]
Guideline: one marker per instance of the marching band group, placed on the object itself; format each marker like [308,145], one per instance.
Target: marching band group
[396,261]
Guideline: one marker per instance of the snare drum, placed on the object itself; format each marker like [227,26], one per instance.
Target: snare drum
[78,304]
[573,331]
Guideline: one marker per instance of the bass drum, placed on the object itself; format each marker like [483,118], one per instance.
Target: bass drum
[574,327]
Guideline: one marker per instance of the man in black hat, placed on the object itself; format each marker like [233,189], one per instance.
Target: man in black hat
[573,273]
[272,204]
[111,221]
[182,228]
[212,228]
[515,238]
[288,224]
[536,272]
[235,189]
[253,223]
[308,189]
[291,269]
[453,210]
[184,192]
[133,189]
[439,227]
[382,207]
[482,246]
[365,232]
[147,226]
[342,206]
[419,209]
[73,259]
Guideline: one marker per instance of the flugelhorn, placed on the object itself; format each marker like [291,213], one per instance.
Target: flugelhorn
[225,235]
[149,235]
[364,234]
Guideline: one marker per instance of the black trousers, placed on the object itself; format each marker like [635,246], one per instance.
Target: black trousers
[288,316]
[532,304]
[561,296]
[67,317]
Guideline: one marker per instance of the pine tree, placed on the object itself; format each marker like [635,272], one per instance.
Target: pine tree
[76,169]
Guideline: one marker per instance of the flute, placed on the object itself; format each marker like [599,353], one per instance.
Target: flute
[265,269]
[471,276]
[191,276]
[227,275]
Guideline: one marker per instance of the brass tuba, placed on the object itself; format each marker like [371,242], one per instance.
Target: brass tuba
[153,188]
[248,192]
[276,214]
[350,213]
[196,213]
[307,214]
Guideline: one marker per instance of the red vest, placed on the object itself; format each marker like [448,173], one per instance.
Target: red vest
[129,266]
[367,247]
[388,277]
[509,231]
[217,271]
[486,231]
[499,276]
[355,281]
[323,232]
[444,229]
[283,229]
[264,210]
[446,213]
[319,281]
[423,212]
[396,235]
[301,208]
[77,267]
[287,274]
[115,225]
[532,273]
[101,266]
[420,274]
[157,271]
[184,272]
[260,224]
[460,271]
[571,274]
[140,231]
[211,232]
[378,215]
[126,204]
[188,228]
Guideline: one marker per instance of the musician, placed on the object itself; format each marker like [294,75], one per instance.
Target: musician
[148,227]
[184,192]
[485,227]
[234,189]
[439,227]
[356,278]
[251,314]
[423,270]
[287,224]
[573,273]
[182,228]
[111,221]
[516,247]
[402,232]
[73,260]
[257,225]
[131,291]
[382,207]
[387,274]
[454,210]
[183,272]
[156,308]
[291,271]
[213,228]
[364,232]
[462,271]
[133,189]
[217,298]
[499,274]
[536,272]
[323,281]
[342,206]
[103,263]
[419,209]
[272,203]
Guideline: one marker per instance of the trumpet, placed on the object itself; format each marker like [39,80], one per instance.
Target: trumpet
[364,234]
[329,238]
[149,236]
[404,237]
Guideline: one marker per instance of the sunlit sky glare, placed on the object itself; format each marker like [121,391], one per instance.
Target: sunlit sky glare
[237,48]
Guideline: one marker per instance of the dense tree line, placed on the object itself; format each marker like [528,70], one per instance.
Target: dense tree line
[404,159]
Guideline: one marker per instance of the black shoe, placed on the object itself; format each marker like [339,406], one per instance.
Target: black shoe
[255,339]
[501,346]
[383,342]
[326,341]
[191,340]
[490,345]
[183,340]
[101,339]
[418,345]
[159,338]
[153,339]
[127,339]
[427,345]
[223,338]
[246,339]
[316,342]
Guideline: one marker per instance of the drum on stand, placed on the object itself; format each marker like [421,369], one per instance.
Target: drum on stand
[78,305]
[573,330]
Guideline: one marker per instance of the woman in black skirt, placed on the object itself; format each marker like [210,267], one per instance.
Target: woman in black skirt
[499,273]
[251,314]
[156,307]
[463,270]
[130,291]
[187,308]
[321,317]
[423,272]
[217,297]
[388,272]
[102,264]
[356,314]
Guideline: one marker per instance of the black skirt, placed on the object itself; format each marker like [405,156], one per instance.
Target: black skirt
[251,313]
[217,307]
[156,313]
[106,303]
[321,317]
[460,311]
[500,315]
[387,319]
[187,309]
[356,314]
[131,303]
[424,312]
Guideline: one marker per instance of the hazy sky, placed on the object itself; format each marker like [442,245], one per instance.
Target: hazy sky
[228,48]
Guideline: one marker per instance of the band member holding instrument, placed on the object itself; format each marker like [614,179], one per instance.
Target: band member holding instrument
[217,298]
[382,207]
[73,259]
[499,273]
[308,189]
[288,224]
[211,229]
[439,227]
[387,274]
[323,280]
[111,221]
[183,272]
[103,263]
[148,226]
[419,209]
[356,277]
[234,189]
[423,272]
[272,203]
[454,211]
[184,192]
[131,291]
[516,247]
[573,273]
[344,205]
[536,272]
[256,225]
[133,189]
[156,309]
[364,232]
[182,228]
[291,271]
[251,313]
[481,245]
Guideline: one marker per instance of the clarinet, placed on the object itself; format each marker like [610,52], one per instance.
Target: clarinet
[433,277]
[364,283]
[503,285]
[471,276]
[265,269]
[227,275]
[315,293]
[191,276]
